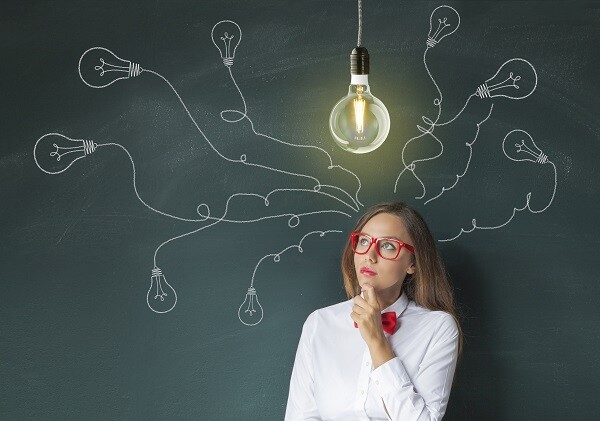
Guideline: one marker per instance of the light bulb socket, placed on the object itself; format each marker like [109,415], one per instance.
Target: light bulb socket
[359,61]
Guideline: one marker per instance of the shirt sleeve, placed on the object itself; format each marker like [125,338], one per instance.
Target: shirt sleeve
[301,404]
[425,397]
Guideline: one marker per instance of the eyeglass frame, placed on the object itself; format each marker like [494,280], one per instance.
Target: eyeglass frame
[375,240]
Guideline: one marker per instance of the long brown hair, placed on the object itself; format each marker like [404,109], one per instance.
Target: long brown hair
[429,286]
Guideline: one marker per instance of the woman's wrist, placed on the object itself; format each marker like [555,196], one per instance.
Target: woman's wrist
[381,352]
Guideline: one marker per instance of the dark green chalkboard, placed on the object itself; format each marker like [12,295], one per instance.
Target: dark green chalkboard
[78,339]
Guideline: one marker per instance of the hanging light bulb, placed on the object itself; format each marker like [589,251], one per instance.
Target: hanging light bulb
[444,20]
[518,145]
[359,122]
[161,297]
[100,67]
[226,35]
[250,312]
[55,153]
[515,79]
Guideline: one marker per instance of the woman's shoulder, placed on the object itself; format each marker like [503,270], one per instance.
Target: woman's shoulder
[443,322]
[329,315]
[332,310]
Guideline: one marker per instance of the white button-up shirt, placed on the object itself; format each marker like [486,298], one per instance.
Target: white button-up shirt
[333,376]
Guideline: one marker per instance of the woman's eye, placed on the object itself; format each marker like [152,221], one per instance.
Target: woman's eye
[388,246]
[363,241]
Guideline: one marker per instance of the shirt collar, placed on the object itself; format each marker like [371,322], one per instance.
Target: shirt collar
[399,305]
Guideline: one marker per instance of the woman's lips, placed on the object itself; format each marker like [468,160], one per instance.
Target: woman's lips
[367,271]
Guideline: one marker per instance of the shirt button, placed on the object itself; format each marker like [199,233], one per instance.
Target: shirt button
[377,382]
[367,364]
[362,392]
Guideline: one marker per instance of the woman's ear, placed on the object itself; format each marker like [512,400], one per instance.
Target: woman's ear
[411,269]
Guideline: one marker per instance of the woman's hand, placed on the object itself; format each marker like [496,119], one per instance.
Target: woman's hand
[366,312]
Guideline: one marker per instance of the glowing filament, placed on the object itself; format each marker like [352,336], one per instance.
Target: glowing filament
[359,114]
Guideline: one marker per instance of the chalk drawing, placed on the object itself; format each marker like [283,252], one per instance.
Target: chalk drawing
[517,145]
[443,21]
[515,79]
[250,312]
[228,32]
[98,68]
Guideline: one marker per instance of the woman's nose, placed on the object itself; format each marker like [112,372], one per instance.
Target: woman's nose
[372,253]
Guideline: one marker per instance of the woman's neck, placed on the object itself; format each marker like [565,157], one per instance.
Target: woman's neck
[388,296]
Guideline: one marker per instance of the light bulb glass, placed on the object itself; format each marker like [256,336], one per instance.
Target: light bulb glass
[515,79]
[250,312]
[359,122]
[226,35]
[161,297]
[54,153]
[444,21]
[518,145]
[99,67]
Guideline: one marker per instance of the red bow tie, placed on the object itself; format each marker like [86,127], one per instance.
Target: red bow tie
[388,322]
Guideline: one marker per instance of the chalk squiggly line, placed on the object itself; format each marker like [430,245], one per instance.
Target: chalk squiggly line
[436,34]
[504,83]
[276,258]
[524,151]
[244,115]
[243,158]
[470,146]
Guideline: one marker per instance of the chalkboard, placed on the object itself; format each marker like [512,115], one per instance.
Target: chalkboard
[255,203]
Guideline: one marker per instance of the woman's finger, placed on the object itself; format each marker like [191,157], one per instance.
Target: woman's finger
[358,309]
[360,301]
[370,295]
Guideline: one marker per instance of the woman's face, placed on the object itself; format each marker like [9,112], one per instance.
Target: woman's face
[386,276]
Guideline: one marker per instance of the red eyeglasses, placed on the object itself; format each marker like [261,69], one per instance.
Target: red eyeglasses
[387,248]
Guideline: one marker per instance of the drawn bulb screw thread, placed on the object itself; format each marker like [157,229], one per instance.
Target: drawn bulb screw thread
[540,158]
[252,296]
[87,148]
[484,91]
[227,59]
[160,293]
[432,40]
[132,70]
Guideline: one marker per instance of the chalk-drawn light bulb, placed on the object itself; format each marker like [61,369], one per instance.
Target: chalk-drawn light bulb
[226,35]
[444,20]
[100,67]
[55,153]
[250,312]
[359,122]
[518,145]
[515,79]
[161,296]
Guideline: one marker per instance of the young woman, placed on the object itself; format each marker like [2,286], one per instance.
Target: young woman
[388,353]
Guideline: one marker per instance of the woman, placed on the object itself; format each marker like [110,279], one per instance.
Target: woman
[397,360]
